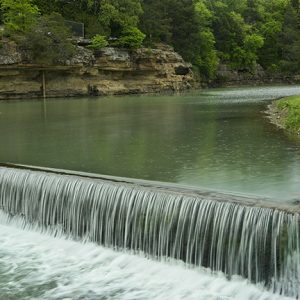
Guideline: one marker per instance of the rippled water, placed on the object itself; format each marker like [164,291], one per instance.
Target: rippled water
[37,266]
[218,139]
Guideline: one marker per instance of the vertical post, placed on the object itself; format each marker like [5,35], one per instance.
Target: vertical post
[44,85]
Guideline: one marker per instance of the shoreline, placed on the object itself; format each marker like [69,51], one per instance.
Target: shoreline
[275,116]
[109,71]
[278,117]
[270,112]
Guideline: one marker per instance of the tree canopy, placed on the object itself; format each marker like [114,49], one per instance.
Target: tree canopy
[241,33]
[19,15]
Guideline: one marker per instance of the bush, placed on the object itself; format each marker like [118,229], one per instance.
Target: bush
[98,42]
[49,41]
[131,37]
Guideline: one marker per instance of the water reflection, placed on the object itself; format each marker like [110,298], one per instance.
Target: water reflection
[44,109]
[217,139]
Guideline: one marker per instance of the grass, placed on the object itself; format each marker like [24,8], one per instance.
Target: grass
[290,107]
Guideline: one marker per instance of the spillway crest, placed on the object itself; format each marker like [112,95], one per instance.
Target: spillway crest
[261,244]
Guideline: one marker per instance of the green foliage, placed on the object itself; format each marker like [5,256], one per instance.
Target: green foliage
[19,15]
[85,11]
[98,42]
[291,108]
[118,15]
[130,37]
[184,28]
[206,59]
[1,16]
[252,42]
[241,33]
[293,120]
[246,55]
[1,39]
[270,26]
[49,41]
[156,22]
[290,40]
[46,7]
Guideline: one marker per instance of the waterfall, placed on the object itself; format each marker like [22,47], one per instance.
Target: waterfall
[258,243]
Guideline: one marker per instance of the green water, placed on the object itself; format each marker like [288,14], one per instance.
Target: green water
[217,139]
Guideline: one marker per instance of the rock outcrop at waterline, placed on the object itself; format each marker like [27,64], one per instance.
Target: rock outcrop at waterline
[228,76]
[109,71]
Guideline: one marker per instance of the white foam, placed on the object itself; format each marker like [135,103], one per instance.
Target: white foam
[38,266]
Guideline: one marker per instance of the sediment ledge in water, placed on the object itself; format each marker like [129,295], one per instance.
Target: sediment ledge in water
[275,115]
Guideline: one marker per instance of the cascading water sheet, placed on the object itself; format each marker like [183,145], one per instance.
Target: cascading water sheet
[260,244]
[35,266]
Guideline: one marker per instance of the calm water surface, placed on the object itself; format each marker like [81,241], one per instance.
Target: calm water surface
[218,139]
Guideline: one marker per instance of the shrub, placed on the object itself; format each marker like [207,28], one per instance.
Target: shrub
[98,42]
[131,37]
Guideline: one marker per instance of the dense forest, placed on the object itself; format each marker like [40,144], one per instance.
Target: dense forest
[241,33]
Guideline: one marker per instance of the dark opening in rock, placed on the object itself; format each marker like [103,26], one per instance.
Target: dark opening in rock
[182,70]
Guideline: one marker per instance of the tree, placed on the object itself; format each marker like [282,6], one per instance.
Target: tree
[290,39]
[118,15]
[47,7]
[207,59]
[254,12]
[245,57]
[156,22]
[19,15]
[238,42]
[184,28]
[84,11]
[266,19]
[1,16]
[49,42]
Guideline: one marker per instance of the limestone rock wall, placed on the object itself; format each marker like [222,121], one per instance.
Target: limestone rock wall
[106,72]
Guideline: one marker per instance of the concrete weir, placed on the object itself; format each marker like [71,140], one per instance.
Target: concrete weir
[237,198]
[236,234]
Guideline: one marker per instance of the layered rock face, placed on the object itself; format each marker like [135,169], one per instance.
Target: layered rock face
[109,71]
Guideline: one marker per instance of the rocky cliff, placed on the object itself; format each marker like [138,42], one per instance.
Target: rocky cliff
[105,72]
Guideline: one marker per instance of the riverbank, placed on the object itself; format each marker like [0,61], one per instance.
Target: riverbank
[285,113]
[109,71]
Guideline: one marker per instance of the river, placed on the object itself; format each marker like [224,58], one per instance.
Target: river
[216,139]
